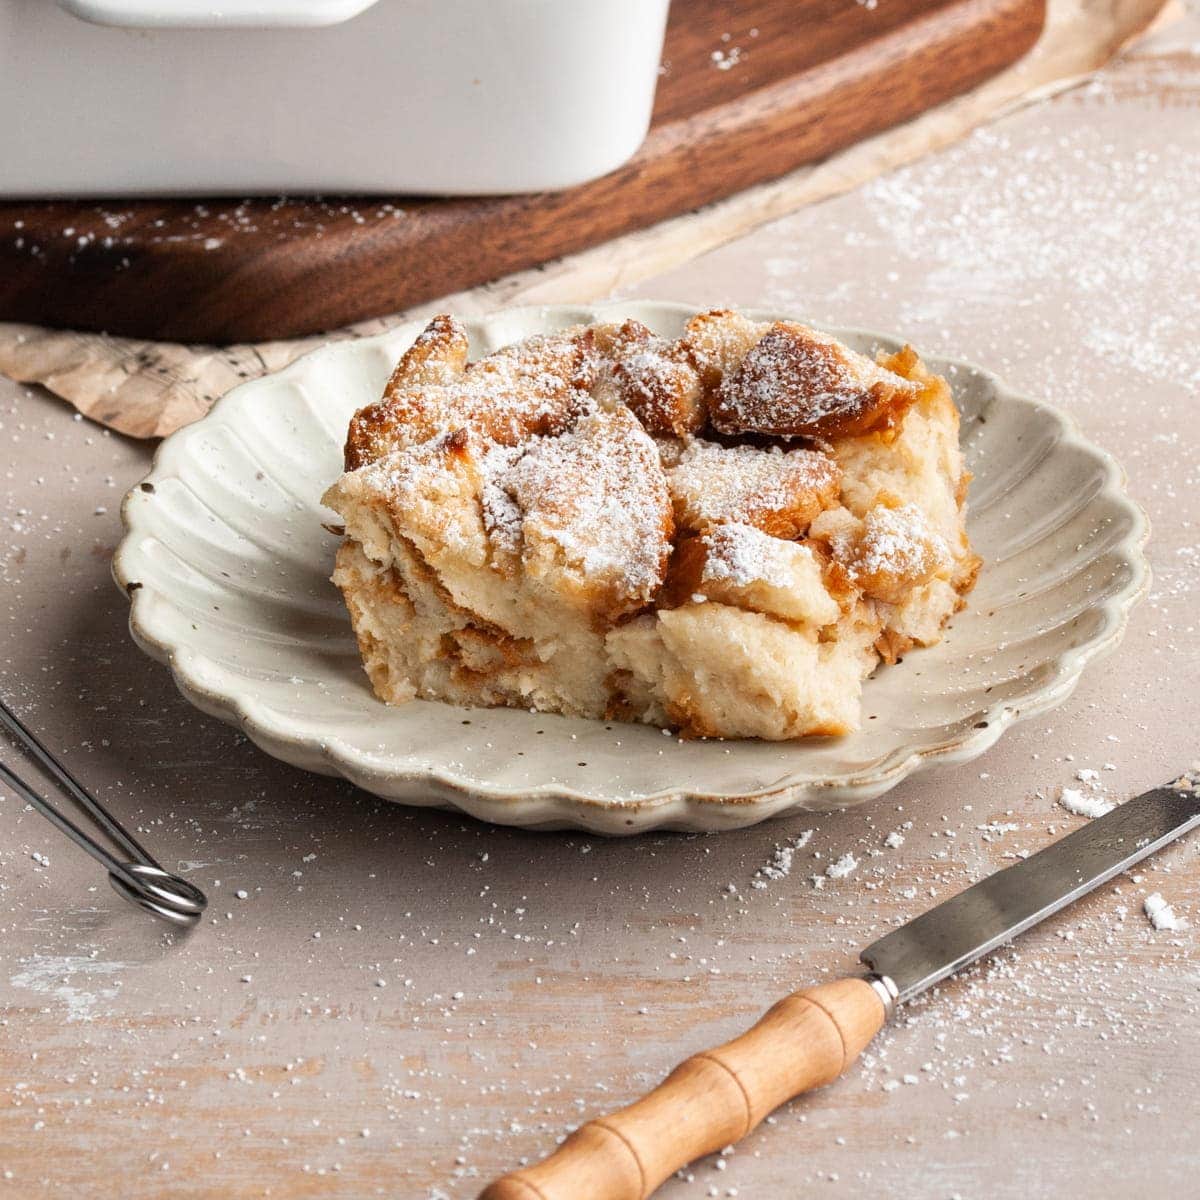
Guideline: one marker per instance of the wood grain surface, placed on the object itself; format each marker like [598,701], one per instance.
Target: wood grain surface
[475,994]
[802,78]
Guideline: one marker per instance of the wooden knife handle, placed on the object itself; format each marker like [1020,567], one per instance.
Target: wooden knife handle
[710,1100]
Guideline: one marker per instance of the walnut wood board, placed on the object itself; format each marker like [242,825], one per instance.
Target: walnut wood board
[795,81]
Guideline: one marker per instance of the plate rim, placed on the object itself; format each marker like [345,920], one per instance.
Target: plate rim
[558,805]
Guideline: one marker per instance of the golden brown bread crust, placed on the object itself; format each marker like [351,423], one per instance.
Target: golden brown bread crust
[722,533]
[656,380]
[776,491]
[684,571]
[716,342]
[794,382]
[535,388]
[611,558]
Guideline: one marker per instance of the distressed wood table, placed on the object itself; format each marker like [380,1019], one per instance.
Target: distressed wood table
[387,1002]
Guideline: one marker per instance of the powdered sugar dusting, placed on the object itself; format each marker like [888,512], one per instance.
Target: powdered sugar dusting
[598,491]
[649,371]
[899,541]
[742,555]
[501,513]
[739,483]
[73,980]
[534,387]
[795,380]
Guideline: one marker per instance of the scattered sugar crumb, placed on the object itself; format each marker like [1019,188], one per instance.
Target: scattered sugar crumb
[844,867]
[780,863]
[1161,915]
[1074,801]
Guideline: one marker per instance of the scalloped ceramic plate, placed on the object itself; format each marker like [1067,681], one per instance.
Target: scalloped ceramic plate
[227,564]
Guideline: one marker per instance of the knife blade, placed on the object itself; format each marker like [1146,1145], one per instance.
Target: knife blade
[809,1038]
[991,913]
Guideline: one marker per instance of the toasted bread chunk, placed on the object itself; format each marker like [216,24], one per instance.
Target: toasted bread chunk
[716,671]
[795,382]
[889,553]
[717,341]
[536,387]
[777,491]
[430,488]
[656,380]
[595,513]
[438,356]
[919,463]
[746,568]
[419,508]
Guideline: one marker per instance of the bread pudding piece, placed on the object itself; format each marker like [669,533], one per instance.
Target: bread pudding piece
[721,534]
[536,387]
[777,491]
[487,574]
[795,382]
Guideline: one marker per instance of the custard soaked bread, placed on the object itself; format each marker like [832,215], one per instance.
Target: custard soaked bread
[722,534]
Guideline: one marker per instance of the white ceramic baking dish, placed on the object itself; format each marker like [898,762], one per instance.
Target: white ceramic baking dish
[122,97]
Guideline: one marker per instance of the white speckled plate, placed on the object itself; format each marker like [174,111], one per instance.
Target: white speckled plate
[226,562]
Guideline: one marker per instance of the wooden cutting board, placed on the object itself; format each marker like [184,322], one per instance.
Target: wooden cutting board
[751,89]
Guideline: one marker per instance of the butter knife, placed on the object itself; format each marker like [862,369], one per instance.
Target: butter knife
[811,1037]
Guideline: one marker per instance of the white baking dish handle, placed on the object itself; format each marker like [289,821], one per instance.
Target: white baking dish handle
[216,14]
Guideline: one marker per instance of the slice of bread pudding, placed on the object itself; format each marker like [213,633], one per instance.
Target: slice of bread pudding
[721,535]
